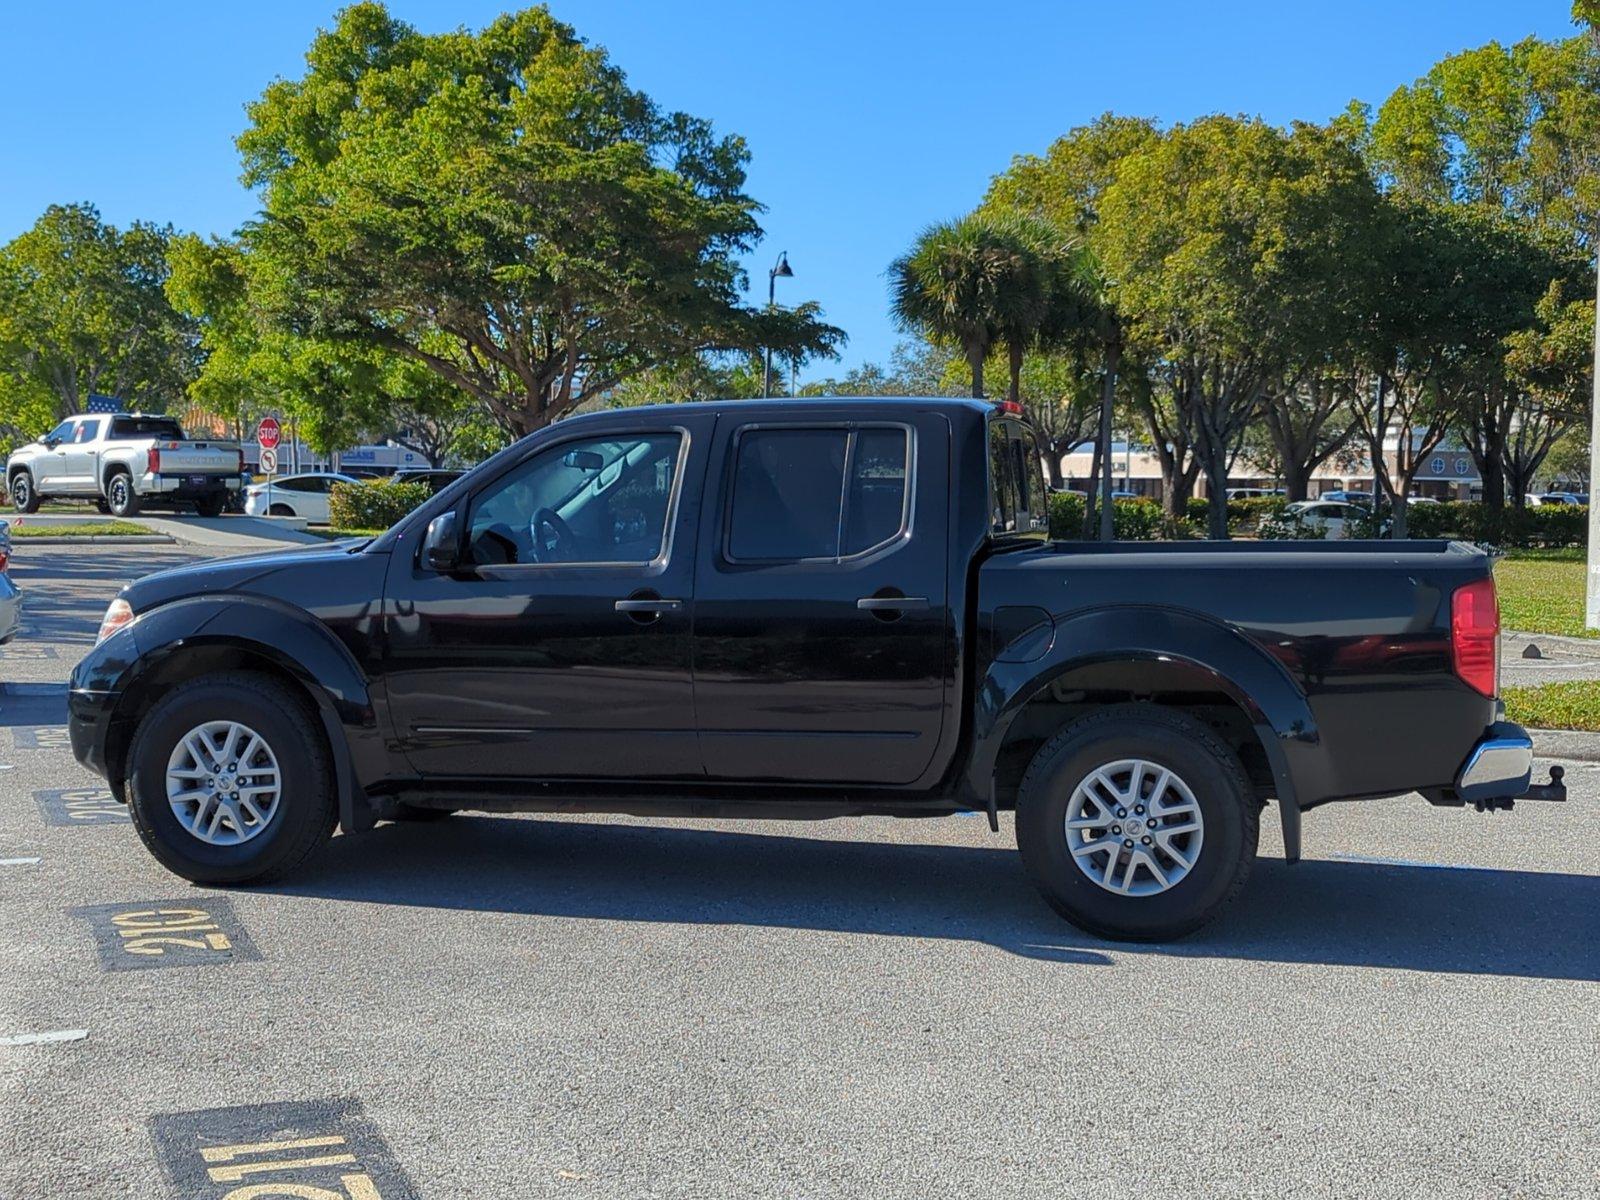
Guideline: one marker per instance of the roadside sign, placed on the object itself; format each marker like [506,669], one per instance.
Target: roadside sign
[267,433]
[269,461]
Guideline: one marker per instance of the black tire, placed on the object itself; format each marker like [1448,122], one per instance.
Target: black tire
[211,506]
[23,498]
[1170,739]
[121,499]
[279,510]
[306,811]
[101,507]
[418,814]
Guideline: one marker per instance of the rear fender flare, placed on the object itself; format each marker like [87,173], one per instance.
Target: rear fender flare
[1239,668]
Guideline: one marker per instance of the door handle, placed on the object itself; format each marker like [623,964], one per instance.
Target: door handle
[892,603]
[648,606]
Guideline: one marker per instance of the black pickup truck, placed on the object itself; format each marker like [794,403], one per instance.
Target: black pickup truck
[808,608]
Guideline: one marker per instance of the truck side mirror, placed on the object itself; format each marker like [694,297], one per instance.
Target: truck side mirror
[441,544]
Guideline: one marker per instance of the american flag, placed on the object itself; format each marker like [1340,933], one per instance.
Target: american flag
[103,404]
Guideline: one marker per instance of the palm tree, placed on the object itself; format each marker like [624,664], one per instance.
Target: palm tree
[976,282]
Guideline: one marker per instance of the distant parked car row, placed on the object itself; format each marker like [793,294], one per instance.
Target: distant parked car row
[306,495]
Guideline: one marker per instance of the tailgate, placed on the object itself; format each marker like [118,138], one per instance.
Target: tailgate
[198,458]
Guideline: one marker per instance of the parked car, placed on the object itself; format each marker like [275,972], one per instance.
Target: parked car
[1328,516]
[303,495]
[1343,497]
[125,462]
[1250,493]
[1562,498]
[799,608]
[10,594]
[437,478]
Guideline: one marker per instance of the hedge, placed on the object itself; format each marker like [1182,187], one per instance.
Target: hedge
[373,504]
[1550,525]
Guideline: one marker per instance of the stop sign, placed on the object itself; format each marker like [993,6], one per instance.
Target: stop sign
[267,433]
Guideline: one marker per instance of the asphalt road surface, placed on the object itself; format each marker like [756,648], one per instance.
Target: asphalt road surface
[607,1007]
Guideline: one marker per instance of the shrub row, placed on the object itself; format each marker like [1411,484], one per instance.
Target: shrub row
[373,504]
[1548,525]
[1142,520]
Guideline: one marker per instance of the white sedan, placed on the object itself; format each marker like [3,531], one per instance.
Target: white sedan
[1328,516]
[294,496]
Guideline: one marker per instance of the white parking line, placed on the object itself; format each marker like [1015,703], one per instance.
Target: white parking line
[17,862]
[39,1039]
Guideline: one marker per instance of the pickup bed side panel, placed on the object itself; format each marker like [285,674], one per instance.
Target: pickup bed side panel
[1359,633]
[1275,705]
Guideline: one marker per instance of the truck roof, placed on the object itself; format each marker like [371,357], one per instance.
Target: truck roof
[956,403]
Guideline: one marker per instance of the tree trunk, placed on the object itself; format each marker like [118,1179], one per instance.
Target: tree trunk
[1217,496]
[1052,465]
[975,357]
[1091,494]
[1296,481]
[1401,506]
[1014,388]
[1108,397]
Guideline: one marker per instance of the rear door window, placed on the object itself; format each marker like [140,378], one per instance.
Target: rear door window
[809,494]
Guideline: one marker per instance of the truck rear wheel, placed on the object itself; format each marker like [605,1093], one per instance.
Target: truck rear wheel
[121,499]
[228,780]
[1137,823]
[23,498]
[211,506]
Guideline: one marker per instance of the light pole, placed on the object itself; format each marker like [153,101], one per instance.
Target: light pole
[779,268]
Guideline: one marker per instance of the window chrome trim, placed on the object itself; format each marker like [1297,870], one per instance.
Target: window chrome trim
[642,566]
[851,428]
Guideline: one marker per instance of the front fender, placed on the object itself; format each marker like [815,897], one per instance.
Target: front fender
[290,640]
[1238,667]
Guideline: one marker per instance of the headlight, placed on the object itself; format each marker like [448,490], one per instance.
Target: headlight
[117,615]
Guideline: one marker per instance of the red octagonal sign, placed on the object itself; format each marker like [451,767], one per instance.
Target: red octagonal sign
[267,433]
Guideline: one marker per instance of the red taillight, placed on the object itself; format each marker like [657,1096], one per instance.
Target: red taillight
[1475,635]
[1011,407]
[154,464]
[5,559]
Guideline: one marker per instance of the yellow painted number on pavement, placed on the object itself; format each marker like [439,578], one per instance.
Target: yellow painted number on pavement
[357,1185]
[152,930]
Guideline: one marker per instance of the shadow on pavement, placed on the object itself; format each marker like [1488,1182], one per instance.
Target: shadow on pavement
[1470,921]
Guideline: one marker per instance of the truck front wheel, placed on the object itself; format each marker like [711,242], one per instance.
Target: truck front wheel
[228,780]
[1137,823]
[23,498]
[121,499]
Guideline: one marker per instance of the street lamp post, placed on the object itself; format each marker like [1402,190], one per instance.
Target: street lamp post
[780,268]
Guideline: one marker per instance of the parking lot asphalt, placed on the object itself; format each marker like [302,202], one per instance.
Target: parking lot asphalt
[607,1007]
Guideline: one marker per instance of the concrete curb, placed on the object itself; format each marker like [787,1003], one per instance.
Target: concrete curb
[98,539]
[1572,744]
[1515,640]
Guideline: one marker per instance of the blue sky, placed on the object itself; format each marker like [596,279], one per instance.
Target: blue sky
[867,120]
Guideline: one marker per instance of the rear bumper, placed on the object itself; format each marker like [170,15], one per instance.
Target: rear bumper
[179,485]
[1500,766]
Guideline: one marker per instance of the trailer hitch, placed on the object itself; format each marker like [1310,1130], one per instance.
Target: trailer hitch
[1556,789]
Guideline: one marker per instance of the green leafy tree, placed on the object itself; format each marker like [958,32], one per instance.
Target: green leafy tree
[1221,236]
[336,392]
[1549,364]
[977,283]
[916,368]
[502,208]
[82,310]
[1513,134]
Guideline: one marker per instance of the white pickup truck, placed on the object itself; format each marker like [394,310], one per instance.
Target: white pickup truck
[124,461]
